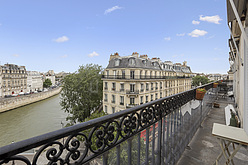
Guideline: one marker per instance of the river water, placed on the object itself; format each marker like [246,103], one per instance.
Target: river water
[31,120]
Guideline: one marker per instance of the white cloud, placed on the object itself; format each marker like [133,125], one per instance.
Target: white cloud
[167,38]
[212,19]
[112,9]
[64,56]
[181,35]
[93,54]
[61,39]
[16,55]
[195,22]
[197,33]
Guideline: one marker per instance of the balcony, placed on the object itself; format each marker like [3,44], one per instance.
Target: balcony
[131,105]
[142,77]
[156,132]
[122,90]
[132,92]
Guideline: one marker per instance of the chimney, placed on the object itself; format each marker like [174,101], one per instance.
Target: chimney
[144,56]
[185,63]
[135,54]
[115,55]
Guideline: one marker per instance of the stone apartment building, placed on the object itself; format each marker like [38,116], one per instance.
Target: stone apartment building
[14,79]
[34,81]
[133,80]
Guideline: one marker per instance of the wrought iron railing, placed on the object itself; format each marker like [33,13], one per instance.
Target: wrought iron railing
[132,91]
[138,77]
[152,133]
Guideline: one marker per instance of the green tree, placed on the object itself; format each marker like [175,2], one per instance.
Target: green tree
[82,93]
[47,83]
[199,79]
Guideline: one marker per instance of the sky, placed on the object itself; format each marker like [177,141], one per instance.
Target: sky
[61,35]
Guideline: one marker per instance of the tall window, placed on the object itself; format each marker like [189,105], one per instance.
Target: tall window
[106,97]
[132,74]
[121,100]
[113,86]
[141,87]
[160,94]
[106,85]
[123,74]
[141,99]
[114,72]
[146,99]
[141,74]
[122,87]
[132,61]
[117,62]
[113,109]
[132,86]
[113,98]
[107,72]
[156,96]
[132,100]
[147,86]
[161,85]
[106,109]
[151,86]
[151,97]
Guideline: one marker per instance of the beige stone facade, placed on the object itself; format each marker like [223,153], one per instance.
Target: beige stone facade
[133,80]
[14,79]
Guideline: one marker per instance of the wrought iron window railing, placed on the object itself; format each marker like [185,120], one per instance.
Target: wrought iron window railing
[152,133]
[141,77]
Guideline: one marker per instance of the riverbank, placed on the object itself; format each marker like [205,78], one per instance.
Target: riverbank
[16,102]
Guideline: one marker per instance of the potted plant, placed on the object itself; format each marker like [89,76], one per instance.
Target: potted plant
[215,85]
[200,92]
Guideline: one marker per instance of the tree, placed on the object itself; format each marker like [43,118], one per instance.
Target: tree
[47,83]
[199,79]
[82,93]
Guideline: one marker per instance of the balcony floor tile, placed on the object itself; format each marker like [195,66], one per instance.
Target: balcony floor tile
[204,148]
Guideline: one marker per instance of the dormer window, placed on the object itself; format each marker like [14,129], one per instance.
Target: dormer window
[132,61]
[117,62]
[155,64]
[144,62]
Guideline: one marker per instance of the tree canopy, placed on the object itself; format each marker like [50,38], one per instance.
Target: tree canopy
[47,83]
[82,92]
[199,79]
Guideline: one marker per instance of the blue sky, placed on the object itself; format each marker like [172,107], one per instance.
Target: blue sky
[63,34]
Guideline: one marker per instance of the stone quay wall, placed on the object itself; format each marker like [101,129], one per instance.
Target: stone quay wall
[7,104]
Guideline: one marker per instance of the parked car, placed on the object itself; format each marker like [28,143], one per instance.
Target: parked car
[39,90]
[14,95]
[27,93]
[7,96]
[21,93]
[35,91]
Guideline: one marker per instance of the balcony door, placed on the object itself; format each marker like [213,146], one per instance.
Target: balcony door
[132,87]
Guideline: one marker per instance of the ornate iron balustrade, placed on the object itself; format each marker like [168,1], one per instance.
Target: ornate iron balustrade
[130,92]
[85,142]
[142,77]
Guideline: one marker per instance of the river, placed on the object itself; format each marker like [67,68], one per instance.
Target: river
[31,120]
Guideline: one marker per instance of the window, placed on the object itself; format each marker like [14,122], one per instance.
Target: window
[141,99]
[131,74]
[141,74]
[117,62]
[106,109]
[147,86]
[113,86]
[105,97]
[113,98]
[160,94]
[146,99]
[121,100]
[132,100]
[151,97]
[151,86]
[106,86]
[107,72]
[122,87]
[132,86]
[156,85]
[144,62]
[131,61]
[156,96]
[123,74]
[161,86]
[113,109]
[141,87]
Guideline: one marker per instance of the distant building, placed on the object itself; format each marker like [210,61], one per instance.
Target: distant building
[49,75]
[133,80]
[14,79]
[34,81]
